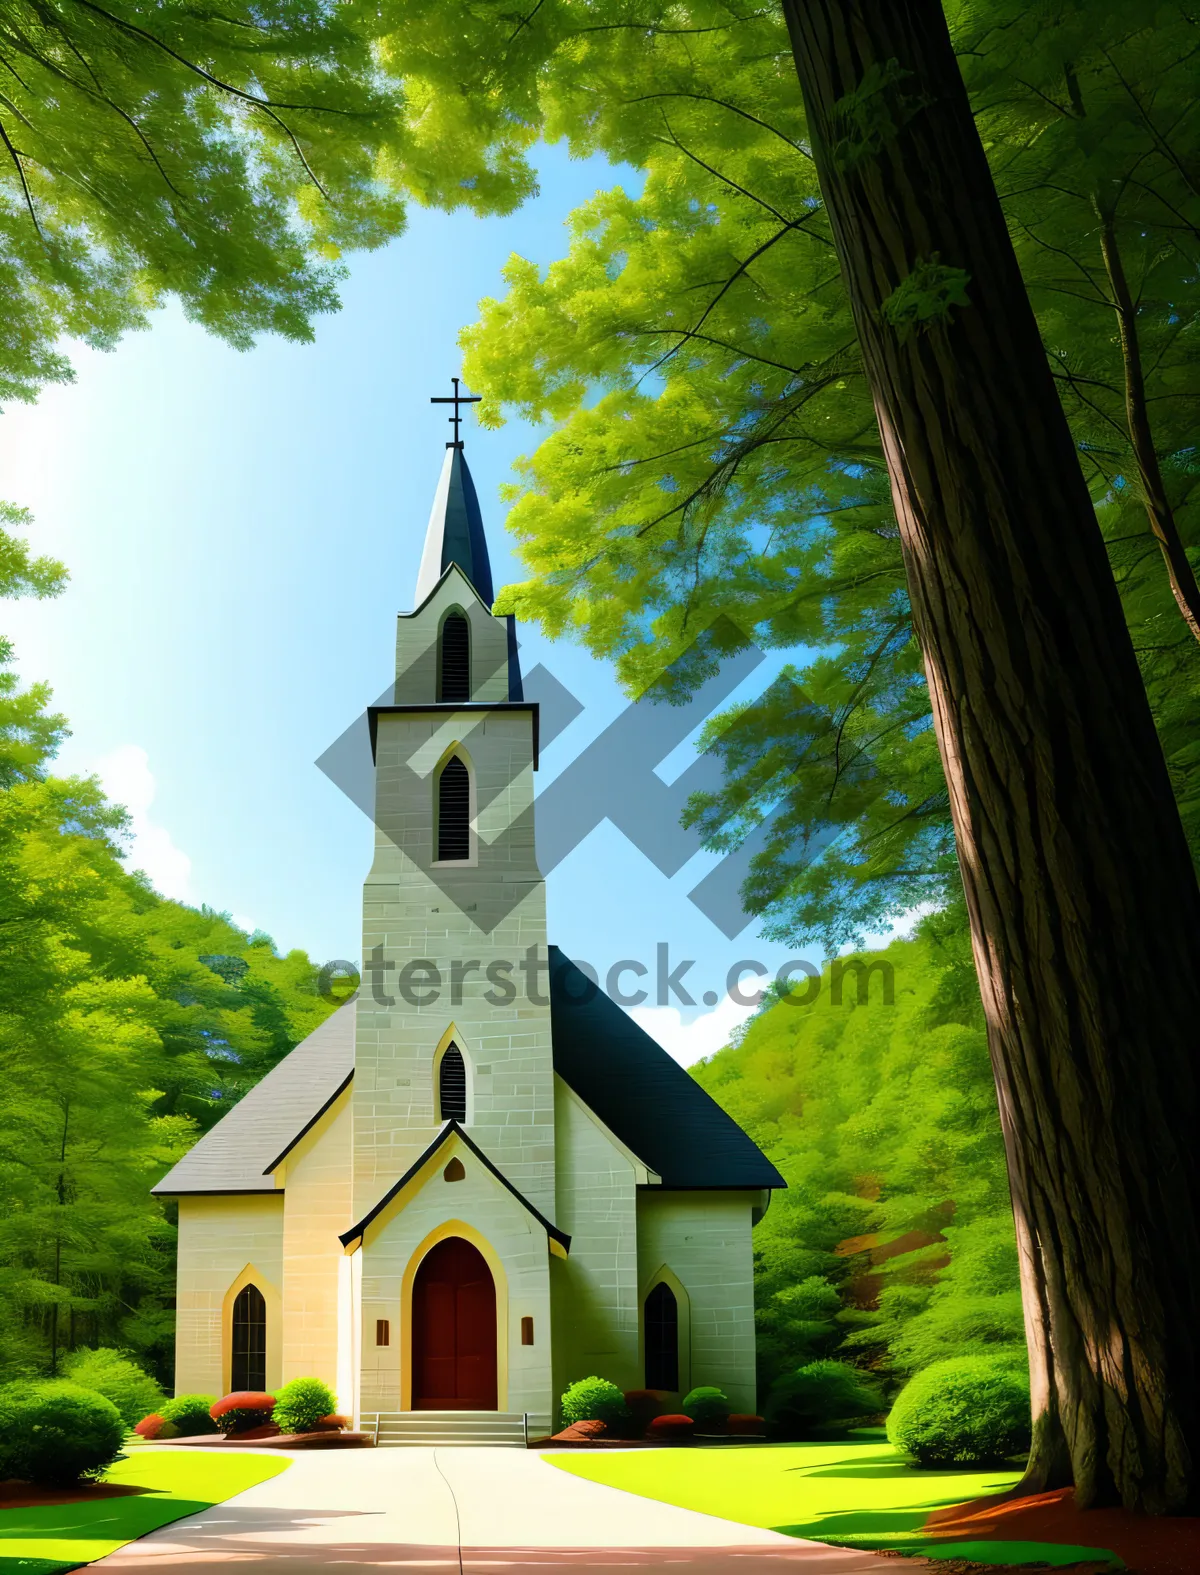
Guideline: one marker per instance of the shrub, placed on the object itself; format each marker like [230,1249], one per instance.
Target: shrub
[671,1429]
[189,1414]
[708,1408]
[56,1432]
[594,1400]
[820,1399]
[242,1410]
[112,1374]
[968,1411]
[302,1403]
[156,1426]
[643,1406]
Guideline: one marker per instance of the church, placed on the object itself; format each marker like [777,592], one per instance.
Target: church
[479,1180]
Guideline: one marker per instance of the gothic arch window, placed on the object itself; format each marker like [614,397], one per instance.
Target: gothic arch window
[248,1369]
[452,1090]
[454,659]
[661,1326]
[454,810]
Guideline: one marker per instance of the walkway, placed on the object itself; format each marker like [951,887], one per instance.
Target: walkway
[466,1512]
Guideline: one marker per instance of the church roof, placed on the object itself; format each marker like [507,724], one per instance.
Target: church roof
[451,1129]
[455,532]
[240,1152]
[644,1097]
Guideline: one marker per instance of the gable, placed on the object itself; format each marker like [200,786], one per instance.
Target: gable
[425,1166]
[646,1099]
[238,1154]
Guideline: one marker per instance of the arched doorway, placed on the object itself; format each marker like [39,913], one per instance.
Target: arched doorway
[454,1330]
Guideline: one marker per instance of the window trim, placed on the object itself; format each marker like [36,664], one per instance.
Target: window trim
[452,1036]
[683,1307]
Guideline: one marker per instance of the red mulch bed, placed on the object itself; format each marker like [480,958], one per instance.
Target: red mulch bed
[325,1439]
[1149,1544]
[25,1495]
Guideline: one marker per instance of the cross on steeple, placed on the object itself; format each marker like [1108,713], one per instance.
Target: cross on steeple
[456,399]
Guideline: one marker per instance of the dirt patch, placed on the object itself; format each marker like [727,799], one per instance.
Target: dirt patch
[1149,1544]
[26,1495]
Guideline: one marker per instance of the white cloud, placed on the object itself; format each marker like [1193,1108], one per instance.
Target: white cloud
[127,779]
[704,1035]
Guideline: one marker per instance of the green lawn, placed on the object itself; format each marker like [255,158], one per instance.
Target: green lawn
[858,1492]
[179,1482]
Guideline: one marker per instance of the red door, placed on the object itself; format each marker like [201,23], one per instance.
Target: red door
[454,1330]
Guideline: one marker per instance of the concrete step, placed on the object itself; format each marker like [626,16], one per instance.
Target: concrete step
[496,1429]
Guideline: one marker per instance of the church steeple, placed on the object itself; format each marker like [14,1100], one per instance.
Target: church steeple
[455,533]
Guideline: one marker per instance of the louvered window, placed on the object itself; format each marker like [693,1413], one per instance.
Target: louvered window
[454,811]
[454,681]
[452,1088]
[249,1365]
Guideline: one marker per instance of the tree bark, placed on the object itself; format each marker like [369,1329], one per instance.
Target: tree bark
[1154,493]
[1083,901]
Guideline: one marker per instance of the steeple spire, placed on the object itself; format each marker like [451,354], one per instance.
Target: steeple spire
[455,533]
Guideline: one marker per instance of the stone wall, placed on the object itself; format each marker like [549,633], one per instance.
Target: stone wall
[219,1240]
[704,1240]
[483,1211]
[596,1288]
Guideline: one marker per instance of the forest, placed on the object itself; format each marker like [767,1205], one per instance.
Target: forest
[128,1025]
[886,359]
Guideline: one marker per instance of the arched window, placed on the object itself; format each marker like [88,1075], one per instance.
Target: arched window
[662,1338]
[454,811]
[454,673]
[452,1091]
[248,1369]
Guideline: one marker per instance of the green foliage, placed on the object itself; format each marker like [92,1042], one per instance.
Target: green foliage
[708,1407]
[190,1415]
[54,1433]
[301,1403]
[893,1244]
[819,1400]
[111,1374]
[710,473]
[593,1400]
[926,296]
[972,1411]
[118,1044]
[224,158]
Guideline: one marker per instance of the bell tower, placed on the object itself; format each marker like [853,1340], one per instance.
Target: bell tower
[453,1016]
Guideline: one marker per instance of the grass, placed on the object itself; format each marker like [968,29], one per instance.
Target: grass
[857,1492]
[54,1537]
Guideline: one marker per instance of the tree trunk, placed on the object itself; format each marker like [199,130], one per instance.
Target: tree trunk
[1154,493]
[1084,907]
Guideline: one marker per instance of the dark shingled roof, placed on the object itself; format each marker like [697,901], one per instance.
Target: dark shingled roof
[643,1096]
[455,533]
[645,1099]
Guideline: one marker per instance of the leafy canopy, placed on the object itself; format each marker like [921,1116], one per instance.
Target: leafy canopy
[893,1245]
[712,474]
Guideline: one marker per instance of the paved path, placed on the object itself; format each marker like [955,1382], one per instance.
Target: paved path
[466,1512]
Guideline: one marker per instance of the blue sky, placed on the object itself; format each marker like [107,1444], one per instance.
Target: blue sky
[241,529]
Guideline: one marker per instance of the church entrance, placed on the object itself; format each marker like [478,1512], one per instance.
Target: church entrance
[454,1330]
